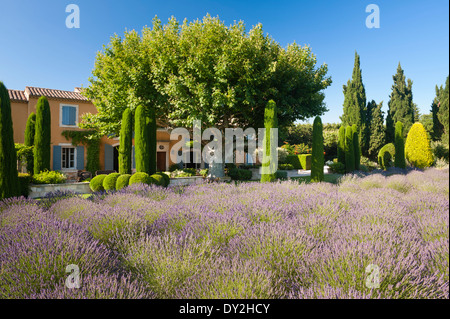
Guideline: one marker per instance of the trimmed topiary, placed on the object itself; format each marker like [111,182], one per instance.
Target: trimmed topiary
[9,181]
[96,184]
[165,177]
[341,145]
[386,156]
[141,177]
[356,146]
[159,179]
[109,183]
[270,122]
[122,181]
[125,148]
[305,161]
[29,140]
[41,149]
[417,147]
[317,156]
[349,150]
[399,146]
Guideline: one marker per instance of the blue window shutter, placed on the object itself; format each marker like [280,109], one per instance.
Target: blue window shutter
[56,157]
[80,157]
[133,159]
[72,115]
[65,115]
[109,154]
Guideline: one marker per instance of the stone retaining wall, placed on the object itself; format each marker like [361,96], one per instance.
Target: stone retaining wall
[40,190]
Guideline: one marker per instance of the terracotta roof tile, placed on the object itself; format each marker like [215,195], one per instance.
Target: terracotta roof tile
[56,94]
[17,96]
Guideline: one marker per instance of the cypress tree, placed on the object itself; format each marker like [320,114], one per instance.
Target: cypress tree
[318,158]
[355,110]
[9,181]
[341,145]
[443,112]
[399,146]
[41,150]
[356,146]
[141,140]
[29,140]
[126,131]
[270,122]
[438,128]
[152,140]
[401,106]
[349,150]
[377,132]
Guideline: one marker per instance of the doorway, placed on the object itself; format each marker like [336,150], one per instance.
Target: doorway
[116,158]
[161,162]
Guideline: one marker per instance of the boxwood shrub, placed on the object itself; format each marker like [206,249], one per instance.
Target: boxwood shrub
[109,183]
[96,184]
[141,177]
[122,181]
[386,156]
[165,177]
[159,179]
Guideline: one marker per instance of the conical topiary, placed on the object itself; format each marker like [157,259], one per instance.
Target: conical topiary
[399,146]
[30,131]
[417,147]
[318,158]
[41,150]
[349,150]
[270,122]
[125,147]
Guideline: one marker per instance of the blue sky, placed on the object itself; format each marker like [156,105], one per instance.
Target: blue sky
[36,48]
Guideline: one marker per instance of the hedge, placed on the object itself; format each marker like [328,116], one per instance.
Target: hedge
[302,161]
[238,174]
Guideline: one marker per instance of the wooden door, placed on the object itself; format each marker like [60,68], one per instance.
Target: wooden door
[161,161]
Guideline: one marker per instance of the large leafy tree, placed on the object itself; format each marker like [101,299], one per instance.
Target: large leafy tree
[221,75]
[355,103]
[401,106]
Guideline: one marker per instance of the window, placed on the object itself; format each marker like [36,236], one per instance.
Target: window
[69,115]
[67,157]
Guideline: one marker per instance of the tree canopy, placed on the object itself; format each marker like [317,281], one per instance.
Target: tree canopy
[221,75]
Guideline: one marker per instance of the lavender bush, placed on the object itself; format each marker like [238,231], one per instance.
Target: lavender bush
[251,240]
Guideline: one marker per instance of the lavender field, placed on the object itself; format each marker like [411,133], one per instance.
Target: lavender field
[277,240]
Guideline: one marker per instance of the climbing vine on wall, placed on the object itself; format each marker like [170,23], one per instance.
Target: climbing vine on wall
[91,141]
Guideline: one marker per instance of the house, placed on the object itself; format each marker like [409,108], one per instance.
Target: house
[66,108]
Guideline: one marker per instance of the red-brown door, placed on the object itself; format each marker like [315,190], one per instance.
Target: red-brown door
[161,161]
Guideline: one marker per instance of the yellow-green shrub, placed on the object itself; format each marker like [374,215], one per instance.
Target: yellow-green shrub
[417,147]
